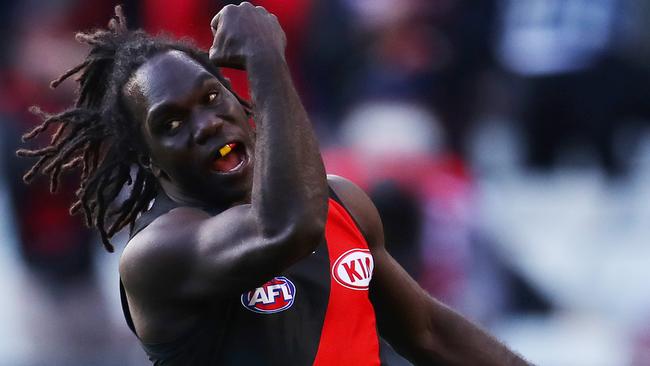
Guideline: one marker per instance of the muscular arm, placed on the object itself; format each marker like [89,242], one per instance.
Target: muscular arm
[289,194]
[188,255]
[419,327]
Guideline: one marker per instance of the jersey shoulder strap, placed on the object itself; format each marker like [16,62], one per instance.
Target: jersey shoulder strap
[336,198]
[161,205]
[125,309]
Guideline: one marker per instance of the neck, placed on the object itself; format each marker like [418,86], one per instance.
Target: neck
[184,199]
[179,196]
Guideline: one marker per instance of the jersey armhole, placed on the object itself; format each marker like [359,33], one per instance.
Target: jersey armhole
[336,198]
[125,309]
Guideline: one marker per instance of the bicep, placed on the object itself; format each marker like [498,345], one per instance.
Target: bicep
[188,255]
[232,254]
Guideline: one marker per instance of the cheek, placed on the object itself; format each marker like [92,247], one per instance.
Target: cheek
[179,161]
[183,169]
[172,155]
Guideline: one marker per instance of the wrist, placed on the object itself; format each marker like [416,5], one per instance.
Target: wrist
[268,59]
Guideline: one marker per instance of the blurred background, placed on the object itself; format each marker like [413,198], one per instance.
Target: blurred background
[506,144]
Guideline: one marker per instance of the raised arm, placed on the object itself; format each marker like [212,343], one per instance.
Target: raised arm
[420,328]
[187,254]
[289,182]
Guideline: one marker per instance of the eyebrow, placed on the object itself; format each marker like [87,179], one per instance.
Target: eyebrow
[162,108]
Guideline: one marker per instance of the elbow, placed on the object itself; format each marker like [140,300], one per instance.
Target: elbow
[421,349]
[308,223]
[312,232]
[425,347]
[306,234]
[298,239]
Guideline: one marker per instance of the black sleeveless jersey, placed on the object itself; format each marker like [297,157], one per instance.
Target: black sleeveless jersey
[317,312]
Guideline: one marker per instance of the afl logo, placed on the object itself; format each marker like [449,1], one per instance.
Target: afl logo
[353,269]
[272,297]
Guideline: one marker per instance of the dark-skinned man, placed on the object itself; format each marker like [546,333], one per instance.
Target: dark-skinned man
[242,250]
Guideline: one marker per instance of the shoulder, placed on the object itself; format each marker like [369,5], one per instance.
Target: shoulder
[160,252]
[360,207]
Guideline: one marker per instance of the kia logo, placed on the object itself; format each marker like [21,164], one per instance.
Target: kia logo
[353,269]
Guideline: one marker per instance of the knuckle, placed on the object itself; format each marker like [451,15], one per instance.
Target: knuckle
[228,9]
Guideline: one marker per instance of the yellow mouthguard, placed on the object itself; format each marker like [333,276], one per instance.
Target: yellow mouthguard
[225,150]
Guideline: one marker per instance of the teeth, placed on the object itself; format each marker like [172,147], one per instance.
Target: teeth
[226,149]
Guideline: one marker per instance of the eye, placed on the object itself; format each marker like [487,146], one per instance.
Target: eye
[172,126]
[211,97]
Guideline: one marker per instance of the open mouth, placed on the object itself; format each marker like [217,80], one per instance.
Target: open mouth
[230,158]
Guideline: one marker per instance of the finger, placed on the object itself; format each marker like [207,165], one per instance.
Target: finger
[214,23]
[233,65]
[218,47]
[221,57]
[216,20]
[220,60]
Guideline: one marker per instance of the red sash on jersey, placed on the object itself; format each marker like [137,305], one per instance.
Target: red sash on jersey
[349,335]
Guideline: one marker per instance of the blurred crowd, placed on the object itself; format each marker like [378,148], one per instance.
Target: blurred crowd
[443,110]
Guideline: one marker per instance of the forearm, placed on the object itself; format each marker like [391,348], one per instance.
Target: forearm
[423,329]
[454,340]
[289,185]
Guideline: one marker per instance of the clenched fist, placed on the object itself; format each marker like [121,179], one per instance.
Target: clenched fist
[243,33]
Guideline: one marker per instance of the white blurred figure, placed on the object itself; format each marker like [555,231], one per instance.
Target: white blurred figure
[554,36]
[392,129]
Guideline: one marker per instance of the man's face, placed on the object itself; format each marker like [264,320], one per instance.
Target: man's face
[197,133]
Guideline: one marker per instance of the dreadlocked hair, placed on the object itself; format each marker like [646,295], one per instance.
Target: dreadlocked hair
[97,137]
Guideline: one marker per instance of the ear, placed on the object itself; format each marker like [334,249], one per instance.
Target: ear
[149,165]
[157,172]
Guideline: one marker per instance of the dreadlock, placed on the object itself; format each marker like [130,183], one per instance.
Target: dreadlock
[97,136]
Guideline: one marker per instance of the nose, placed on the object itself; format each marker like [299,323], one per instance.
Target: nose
[206,128]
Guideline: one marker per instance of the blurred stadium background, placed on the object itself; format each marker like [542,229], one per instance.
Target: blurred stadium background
[505,142]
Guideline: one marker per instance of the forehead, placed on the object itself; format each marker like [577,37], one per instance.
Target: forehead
[167,76]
